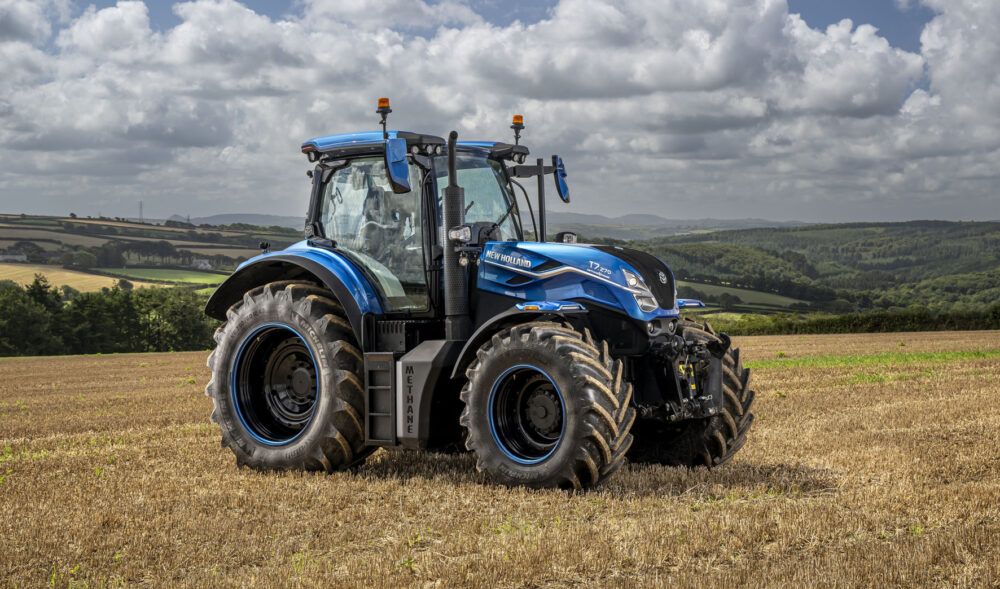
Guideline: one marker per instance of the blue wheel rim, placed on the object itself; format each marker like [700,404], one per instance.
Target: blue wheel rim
[274,384]
[525,409]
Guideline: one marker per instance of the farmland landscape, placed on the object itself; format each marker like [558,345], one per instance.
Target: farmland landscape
[830,268]
[581,239]
[89,254]
[874,460]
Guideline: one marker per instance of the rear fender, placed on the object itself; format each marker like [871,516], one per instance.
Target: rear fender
[573,313]
[351,289]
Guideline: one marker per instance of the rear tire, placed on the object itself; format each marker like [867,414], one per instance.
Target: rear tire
[286,381]
[546,406]
[703,442]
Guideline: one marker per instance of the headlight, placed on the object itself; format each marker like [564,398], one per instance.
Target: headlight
[643,296]
[647,303]
[462,233]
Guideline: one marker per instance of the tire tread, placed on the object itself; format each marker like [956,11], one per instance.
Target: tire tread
[343,443]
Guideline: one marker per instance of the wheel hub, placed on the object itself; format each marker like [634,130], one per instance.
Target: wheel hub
[542,411]
[302,384]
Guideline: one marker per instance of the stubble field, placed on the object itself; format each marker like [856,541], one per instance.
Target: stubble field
[874,461]
[25,273]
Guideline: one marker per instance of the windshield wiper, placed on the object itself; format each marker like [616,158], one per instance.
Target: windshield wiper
[510,209]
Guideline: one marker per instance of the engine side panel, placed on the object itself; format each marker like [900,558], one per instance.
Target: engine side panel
[530,271]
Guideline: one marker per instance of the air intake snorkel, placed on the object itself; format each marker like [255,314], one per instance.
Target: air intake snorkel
[456,296]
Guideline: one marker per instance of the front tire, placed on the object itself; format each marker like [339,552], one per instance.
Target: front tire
[546,406]
[286,384]
[707,442]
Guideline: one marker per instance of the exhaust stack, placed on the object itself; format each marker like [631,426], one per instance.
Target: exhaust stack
[456,286]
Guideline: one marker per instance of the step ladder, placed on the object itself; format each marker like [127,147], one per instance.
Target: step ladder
[380,399]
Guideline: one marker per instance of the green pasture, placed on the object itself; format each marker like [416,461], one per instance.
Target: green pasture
[166,275]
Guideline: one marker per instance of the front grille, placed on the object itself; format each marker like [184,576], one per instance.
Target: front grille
[649,267]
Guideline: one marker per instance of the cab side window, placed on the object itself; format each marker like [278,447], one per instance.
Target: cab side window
[379,229]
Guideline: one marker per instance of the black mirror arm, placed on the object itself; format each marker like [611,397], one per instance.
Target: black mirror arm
[531,210]
[541,200]
[539,170]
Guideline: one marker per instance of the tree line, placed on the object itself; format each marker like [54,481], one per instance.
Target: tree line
[877,322]
[39,319]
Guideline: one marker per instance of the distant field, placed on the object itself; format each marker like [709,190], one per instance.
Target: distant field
[149,227]
[77,239]
[753,297]
[873,462]
[45,245]
[49,235]
[166,275]
[230,252]
[82,281]
[12,234]
[178,243]
[8,232]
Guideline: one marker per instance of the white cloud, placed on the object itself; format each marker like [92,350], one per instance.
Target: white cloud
[716,108]
[119,33]
[393,14]
[28,20]
[846,70]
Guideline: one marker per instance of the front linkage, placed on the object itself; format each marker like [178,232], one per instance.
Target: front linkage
[695,366]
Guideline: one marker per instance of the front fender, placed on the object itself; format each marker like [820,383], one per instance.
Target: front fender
[301,262]
[519,313]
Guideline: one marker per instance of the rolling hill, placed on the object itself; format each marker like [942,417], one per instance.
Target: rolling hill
[932,264]
[634,226]
[937,265]
[89,254]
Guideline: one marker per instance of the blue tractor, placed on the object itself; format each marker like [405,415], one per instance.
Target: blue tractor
[414,314]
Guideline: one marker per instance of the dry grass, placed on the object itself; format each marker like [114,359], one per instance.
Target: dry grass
[82,281]
[874,473]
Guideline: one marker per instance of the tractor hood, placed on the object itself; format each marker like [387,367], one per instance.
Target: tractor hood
[636,282]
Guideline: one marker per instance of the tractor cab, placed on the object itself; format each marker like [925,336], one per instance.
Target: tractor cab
[377,199]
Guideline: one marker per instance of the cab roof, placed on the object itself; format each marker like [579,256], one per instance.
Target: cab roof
[370,139]
[366,139]
[372,142]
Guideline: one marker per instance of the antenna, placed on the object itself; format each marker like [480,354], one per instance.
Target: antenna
[384,110]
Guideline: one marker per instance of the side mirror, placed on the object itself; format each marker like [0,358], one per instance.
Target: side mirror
[560,175]
[396,166]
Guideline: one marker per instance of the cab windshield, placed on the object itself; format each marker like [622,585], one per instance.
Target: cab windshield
[381,230]
[487,194]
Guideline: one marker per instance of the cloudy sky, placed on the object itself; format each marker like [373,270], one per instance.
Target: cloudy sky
[800,109]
